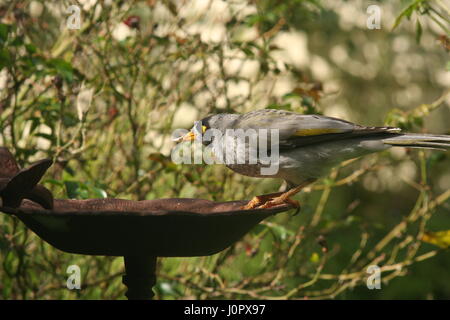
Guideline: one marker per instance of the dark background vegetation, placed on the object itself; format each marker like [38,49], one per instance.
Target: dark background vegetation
[103,101]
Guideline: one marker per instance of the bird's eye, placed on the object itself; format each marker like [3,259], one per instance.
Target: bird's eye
[198,128]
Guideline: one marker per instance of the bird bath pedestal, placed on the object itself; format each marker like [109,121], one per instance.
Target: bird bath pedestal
[140,231]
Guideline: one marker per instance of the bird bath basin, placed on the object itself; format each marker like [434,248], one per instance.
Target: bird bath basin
[140,231]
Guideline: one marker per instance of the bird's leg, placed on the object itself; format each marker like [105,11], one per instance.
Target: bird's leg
[282,198]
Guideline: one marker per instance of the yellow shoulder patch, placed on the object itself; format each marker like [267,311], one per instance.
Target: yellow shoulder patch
[316,132]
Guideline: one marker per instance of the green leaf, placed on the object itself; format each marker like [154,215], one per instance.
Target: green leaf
[248,52]
[279,231]
[5,58]
[99,193]
[406,13]
[55,182]
[161,40]
[435,158]
[418,31]
[252,19]
[63,68]
[71,189]
[68,169]
[45,136]
[16,42]
[291,95]
[167,288]
[307,102]
[30,48]
[418,121]
[35,122]
[4,31]
[80,190]
[69,120]
[315,258]
[286,106]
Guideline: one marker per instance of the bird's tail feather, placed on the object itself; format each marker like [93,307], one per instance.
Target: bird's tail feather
[419,140]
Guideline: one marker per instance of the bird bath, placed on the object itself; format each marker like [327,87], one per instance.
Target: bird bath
[140,231]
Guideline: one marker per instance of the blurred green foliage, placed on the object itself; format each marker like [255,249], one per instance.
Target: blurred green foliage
[102,101]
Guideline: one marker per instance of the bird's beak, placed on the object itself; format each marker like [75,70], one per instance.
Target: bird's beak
[190,136]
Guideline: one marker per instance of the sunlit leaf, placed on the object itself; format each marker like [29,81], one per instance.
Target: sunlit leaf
[438,238]
[315,258]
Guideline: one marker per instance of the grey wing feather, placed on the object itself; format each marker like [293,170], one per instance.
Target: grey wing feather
[296,130]
[419,140]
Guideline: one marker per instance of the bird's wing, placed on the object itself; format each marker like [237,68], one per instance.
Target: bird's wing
[296,130]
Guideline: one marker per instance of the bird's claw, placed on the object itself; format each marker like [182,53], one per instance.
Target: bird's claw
[270,201]
[280,201]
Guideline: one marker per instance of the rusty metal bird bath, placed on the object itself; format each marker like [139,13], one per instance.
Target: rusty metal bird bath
[140,231]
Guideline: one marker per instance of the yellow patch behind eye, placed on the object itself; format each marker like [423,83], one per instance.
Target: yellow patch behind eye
[204,129]
[316,132]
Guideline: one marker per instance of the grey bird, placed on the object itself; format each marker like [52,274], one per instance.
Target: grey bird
[309,146]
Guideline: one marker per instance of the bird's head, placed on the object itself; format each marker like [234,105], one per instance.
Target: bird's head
[221,122]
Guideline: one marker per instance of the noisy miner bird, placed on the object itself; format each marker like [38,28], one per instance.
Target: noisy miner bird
[309,146]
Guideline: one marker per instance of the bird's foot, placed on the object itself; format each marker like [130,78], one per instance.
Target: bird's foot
[260,200]
[270,200]
[279,201]
[276,199]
